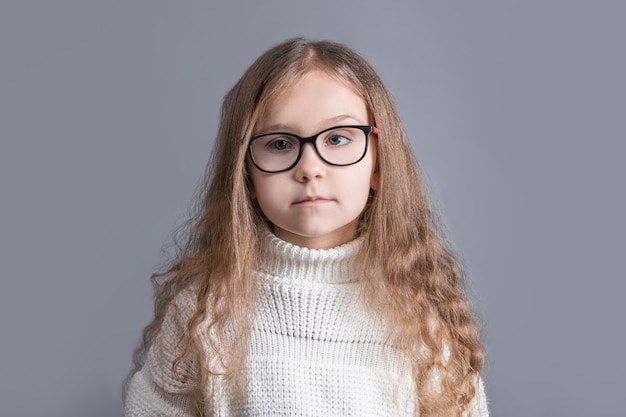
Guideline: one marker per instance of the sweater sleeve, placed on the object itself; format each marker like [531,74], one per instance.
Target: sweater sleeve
[478,406]
[159,388]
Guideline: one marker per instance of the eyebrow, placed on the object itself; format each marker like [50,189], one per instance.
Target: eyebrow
[329,122]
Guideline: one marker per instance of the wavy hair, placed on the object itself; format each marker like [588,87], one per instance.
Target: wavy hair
[409,271]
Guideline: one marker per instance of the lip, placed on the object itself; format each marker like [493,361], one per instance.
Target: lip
[312,201]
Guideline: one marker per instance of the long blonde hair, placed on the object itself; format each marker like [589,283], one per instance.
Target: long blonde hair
[408,270]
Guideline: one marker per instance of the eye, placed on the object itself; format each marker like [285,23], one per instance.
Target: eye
[337,140]
[279,145]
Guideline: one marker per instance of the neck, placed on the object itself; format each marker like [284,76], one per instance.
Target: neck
[286,261]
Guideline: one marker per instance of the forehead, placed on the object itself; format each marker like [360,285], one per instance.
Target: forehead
[314,100]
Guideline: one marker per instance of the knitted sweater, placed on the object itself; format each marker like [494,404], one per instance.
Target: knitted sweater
[315,350]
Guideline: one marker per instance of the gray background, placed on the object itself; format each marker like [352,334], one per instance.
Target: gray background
[516,110]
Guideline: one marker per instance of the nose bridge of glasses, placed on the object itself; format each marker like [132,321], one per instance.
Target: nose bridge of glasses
[308,150]
[311,140]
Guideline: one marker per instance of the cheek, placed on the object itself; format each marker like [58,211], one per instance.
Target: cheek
[267,191]
[256,188]
[259,184]
[357,190]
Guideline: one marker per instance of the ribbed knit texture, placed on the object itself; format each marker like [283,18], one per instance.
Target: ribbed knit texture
[315,350]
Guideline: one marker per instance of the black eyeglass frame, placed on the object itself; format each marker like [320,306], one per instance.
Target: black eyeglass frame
[367,130]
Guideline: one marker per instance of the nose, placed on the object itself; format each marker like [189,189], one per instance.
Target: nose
[310,165]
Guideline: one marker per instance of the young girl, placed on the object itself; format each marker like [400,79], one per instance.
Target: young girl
[315,279]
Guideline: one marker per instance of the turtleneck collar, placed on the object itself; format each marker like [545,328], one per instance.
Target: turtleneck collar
[287,262]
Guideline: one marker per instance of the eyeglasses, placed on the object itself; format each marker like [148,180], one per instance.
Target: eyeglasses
[339,146]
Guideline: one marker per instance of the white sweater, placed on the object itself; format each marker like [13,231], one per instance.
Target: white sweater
[315,350]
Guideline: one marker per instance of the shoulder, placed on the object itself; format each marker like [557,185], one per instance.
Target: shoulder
[479,404]
[168,381]
[171,363]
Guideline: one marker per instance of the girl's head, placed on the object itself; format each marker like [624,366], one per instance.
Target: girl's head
[303,87]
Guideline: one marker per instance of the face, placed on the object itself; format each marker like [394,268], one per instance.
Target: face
[314,204]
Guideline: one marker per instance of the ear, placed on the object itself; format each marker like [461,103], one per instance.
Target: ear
[375,179]
[375,175]
[249,183]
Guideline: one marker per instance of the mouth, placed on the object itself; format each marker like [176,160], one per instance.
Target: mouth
[312,201]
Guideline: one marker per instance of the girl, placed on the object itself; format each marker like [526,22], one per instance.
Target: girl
[315,279]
